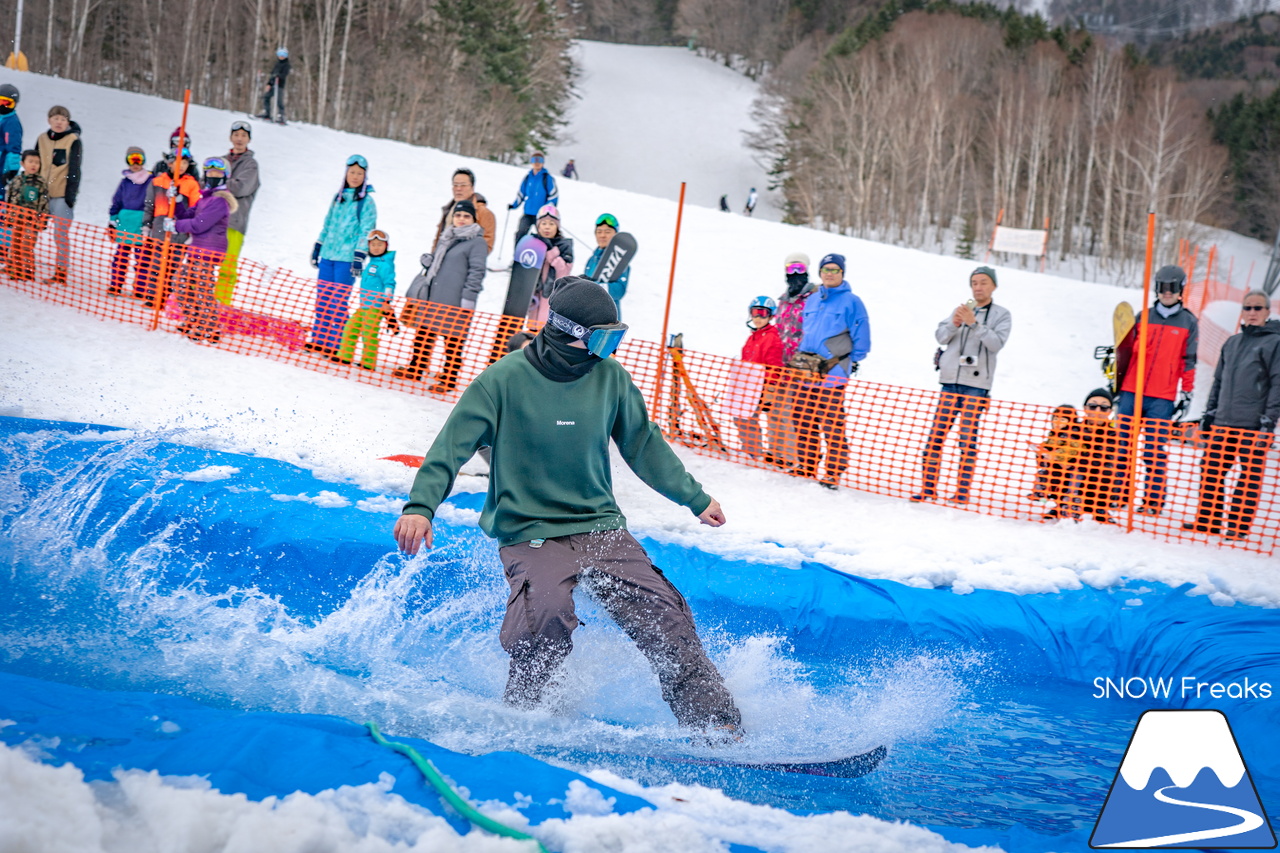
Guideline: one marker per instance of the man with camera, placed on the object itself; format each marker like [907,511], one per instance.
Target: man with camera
[973,336]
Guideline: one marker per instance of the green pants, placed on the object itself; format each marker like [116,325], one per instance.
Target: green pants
[226,286]
[363,325]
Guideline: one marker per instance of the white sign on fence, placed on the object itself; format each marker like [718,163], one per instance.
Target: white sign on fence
[1021,241]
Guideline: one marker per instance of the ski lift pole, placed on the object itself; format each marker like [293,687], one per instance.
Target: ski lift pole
[161,292]
[666,314]
[1135,425]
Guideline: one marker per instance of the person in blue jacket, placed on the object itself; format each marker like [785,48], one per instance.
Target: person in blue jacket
[606,228]
[377,286]
[537,189]
[340,254]
[10,134]
[128,209]
[837,336]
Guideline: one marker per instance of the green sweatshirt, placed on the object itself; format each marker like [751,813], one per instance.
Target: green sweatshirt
[549,473]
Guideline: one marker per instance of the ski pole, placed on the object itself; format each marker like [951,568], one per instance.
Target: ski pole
[575,236]
[505,221]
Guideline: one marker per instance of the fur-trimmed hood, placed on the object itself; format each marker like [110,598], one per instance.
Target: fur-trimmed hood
[224,193]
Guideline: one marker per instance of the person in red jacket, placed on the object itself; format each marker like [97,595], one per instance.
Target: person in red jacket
[1172,337]
[763,346]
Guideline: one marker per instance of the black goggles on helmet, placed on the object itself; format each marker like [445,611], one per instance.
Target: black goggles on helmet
[601,341]
[1169,285]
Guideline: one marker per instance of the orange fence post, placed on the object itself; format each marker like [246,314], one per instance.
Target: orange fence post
[666,313]
[161,292]
[1135,423]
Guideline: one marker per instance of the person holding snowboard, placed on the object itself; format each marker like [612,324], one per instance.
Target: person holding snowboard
[973,336]
[556,263]
[537,190]
[549,412]
[274,91]
[1173,335]
[606,228]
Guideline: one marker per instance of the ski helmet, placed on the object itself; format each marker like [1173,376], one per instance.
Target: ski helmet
[216,164]
[173,139]
[10,91]
[282,53]
[764,302]
[1171,278]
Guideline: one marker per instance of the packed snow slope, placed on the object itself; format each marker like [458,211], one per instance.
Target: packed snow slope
[724,260]
[645,118]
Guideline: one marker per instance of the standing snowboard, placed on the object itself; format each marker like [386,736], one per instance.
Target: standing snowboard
[530,253]
[617,256]
[1122,323]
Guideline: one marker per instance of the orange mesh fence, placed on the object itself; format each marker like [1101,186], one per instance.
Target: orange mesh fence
[1000,458]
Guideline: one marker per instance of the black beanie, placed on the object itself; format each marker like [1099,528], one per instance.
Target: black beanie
[466,206]
[1100,392]
[583,301]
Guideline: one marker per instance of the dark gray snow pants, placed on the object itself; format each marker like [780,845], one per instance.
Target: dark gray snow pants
[538,629]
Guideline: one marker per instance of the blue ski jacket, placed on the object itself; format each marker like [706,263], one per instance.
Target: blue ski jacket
[10,143]
[537,190]
[378,284]
[347,226]
[828,311]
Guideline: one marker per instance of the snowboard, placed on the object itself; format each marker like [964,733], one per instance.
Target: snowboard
[1122,323]
[849,767]
[617,256]
[530,253]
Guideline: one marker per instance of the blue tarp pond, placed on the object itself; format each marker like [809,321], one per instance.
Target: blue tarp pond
[195,612]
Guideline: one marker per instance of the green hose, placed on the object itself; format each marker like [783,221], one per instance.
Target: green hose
[447,793]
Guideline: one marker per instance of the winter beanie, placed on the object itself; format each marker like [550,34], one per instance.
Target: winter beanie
[1100,392]
[133,149]
[833,258]
[549,210]
[552,352]
[987,271]
[798,258]
[60,111]
[465,206]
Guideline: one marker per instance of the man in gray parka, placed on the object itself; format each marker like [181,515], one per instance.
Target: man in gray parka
[973,336]
[242,183]
[1240,421]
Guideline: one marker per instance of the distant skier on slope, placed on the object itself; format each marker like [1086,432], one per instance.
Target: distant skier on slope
[750,206]
[549,412]
[724,203]
[274,91]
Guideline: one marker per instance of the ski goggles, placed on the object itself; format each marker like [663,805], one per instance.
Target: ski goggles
[378,234]
[216,163]
[793,269]
[242,125]
[761,312]
[601,341]
[608,219]
[135,159]
[358,160]
[1169,287]
[537,159]
[7,103]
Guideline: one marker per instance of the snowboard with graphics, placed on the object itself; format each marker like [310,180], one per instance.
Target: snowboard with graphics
[530,253]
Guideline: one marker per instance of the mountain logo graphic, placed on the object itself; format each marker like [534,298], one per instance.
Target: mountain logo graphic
[1182,783]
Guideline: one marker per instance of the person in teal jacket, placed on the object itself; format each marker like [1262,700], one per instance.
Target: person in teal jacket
[550,412]
[606,228]
[377,286]
[339,254]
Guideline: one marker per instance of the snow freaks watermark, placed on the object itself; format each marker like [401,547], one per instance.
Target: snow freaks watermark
[1185,687]
[1182,783]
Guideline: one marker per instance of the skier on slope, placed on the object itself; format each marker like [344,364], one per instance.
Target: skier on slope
[750,206]
[536,190]
[274,91]
[549,412]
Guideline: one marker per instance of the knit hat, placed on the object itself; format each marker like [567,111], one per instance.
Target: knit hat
[178,132]
[800,258]
[583,301]
[833,258]
[133,149]
[59,111]
[988,272]
[465,206]
[549,210]
[1100,392]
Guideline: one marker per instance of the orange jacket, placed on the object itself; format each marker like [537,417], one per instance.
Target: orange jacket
[188,186]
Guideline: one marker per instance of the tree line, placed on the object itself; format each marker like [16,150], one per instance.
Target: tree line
[485,79]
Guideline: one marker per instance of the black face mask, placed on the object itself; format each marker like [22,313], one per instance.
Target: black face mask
[553,355]
[214,181]
[796,283]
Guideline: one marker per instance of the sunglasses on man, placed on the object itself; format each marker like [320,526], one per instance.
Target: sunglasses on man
[1097,407]
[831,271]
[1255,308]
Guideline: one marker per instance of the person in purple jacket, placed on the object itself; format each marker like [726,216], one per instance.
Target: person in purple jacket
[207,225]
[127,212]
